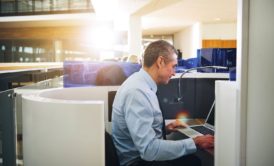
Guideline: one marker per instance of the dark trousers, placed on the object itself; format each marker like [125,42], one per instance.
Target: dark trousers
[189,160]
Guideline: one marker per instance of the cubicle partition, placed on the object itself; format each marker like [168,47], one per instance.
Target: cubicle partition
[63,127]
[11,120]
[197,92]
[7,129]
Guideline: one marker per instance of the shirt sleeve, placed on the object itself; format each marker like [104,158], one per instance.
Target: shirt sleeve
[139,118]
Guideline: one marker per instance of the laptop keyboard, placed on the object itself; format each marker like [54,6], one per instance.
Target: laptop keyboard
[189,132]
[203,130]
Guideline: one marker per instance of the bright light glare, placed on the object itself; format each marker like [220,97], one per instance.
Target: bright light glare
[102,38]
[182,115]
[104,9]
[106,55]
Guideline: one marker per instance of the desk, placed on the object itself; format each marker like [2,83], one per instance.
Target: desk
[206,157]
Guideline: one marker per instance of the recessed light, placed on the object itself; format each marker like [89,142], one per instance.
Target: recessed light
[217,19]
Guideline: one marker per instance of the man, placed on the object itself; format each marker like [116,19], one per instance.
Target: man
[137,119]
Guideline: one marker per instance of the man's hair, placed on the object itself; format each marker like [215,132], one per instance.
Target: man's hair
[156,49]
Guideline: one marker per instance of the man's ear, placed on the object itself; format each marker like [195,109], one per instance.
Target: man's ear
[159,62]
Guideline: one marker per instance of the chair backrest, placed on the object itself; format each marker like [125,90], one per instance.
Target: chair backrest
[111,157]
[111,96]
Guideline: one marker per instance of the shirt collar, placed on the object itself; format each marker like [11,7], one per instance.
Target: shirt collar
[149,80]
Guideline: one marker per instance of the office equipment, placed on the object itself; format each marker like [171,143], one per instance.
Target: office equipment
[198,92]
[206,128]
[191,69]
[216,57]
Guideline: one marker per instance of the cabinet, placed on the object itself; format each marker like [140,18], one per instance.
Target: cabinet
[212,43]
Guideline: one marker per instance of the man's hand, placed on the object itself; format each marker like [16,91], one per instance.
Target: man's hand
[204,142]
[171,127]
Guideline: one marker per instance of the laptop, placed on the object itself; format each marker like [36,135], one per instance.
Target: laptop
[198,130]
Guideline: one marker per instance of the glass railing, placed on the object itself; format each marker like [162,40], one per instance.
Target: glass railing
[7,128]
[11,143]
[37,7]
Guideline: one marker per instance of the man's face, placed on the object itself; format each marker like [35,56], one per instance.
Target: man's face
[167,68]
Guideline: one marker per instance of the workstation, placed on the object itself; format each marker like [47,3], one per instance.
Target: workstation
[197,90]
[54,110]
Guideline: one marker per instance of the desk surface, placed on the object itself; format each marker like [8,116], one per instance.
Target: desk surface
[206,157]
[21,67]
[187,121]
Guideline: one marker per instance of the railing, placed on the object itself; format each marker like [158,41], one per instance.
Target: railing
[11,152]
[38,7]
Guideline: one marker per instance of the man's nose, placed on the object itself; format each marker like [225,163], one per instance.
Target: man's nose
[173,73]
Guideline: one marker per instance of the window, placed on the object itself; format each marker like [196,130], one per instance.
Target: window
[8,6]
[38,7]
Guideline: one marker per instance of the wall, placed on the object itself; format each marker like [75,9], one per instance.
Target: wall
[259,83]
[189,40]
[219,31]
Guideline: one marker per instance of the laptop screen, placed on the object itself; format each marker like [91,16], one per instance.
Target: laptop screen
[210,118]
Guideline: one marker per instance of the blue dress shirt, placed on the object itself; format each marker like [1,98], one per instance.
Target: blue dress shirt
[137,123]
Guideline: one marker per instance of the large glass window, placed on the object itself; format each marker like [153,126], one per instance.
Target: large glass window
[42,50]
[25,6]
[60,5]
[42,5]
[78,4]
[27,51]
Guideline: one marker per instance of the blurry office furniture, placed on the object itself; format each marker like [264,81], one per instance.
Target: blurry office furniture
[198,93]
[206,157]
[216,57]
[7,128]
[78,118]
[90,73]
[219,43]
[111,157]
[110,75]
[188,63]
[133,59]
[179,54]
[111,96]
[18,78]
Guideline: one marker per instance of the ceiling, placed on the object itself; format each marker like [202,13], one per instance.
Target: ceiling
[171,16]
[182,13]
[158,16]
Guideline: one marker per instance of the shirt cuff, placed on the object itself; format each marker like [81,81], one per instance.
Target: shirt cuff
[191,147]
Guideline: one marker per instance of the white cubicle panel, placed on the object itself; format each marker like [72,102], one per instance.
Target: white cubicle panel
[225,124]
[203,75]
[63,127]
[93,93]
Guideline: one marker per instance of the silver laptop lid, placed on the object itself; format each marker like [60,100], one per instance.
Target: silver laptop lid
[210,119]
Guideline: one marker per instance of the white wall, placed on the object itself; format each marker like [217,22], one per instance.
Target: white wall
[189,40]
[259,83]
[224,31]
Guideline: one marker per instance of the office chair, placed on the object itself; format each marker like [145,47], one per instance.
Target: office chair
[111,95]
[111,157]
